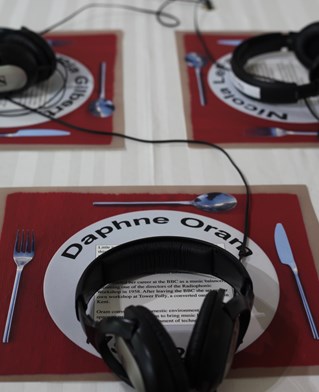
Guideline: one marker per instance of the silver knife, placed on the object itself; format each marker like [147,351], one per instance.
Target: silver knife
[35,132]
[229,42]
[286,257]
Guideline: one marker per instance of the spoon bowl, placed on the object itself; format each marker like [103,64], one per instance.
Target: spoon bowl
[102,107]
[215,202]
[195,60]
[210,202]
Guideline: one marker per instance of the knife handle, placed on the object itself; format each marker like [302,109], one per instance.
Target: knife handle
[306,307]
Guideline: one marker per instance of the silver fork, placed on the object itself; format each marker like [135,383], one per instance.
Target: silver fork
[23,253]
[279,132]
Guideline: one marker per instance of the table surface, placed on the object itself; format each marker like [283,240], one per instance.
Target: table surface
[153,105]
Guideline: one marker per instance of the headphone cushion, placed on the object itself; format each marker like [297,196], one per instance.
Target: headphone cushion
[29,51]
[207,351]
[11,54]
[165,345]
[306,44]
[43,53]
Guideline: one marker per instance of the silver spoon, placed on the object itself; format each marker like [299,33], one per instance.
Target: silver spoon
[212,202]
[197,62]
[102,107]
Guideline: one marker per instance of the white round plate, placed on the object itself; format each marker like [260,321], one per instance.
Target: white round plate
[71,259]
[65,91]
[283,66]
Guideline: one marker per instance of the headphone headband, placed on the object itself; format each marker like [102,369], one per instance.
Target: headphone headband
[157,255]
[274,91]
[151,256]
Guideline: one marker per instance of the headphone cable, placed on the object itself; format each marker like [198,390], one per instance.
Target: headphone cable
[160,15]
[243,251]
[166,19]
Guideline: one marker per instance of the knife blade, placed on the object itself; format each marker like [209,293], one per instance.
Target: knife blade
[35,132]
[229,42]
[283,247]
[286,257]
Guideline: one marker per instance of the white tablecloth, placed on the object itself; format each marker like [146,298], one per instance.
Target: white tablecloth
[154,109]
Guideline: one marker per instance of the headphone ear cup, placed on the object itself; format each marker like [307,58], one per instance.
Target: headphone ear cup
[42,51]
[314,70]
[12,55]
[26,58]
[207,353]
[306,44]
[169,374]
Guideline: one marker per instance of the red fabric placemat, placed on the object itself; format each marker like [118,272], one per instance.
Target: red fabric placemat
[38,347]
[90,50]
[217,122]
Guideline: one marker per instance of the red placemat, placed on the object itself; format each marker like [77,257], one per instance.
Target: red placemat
[88,49]
[220,123]
[38,347]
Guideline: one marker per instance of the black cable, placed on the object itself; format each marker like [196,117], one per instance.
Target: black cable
[208,53]
[201,38]
[159,13]
[243,249]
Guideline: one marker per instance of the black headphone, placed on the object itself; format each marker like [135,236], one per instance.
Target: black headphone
[305,46]
[25,59]
[149,360]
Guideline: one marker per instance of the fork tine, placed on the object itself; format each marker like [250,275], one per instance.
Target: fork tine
[32,242]
[16,244]
[24,241]
[26,246]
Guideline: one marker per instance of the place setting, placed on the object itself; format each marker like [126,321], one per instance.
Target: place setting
[85,90]
[221,108]
[57,244]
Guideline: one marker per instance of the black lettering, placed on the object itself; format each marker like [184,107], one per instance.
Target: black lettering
[161,220]
[223,234]
[54,112]
[88,239]
[221,75]
[235,241]
[137,221]
[104,231]
[192,222]
[72,251]
[238,101]
[75,96]
[67,103]
[117,225]
[209,227]
[251,107]
[282,116]
[81,80]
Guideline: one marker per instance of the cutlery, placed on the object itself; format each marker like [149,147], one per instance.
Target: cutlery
[286,257]
[58,42]
[23,253]
[35,132]
[279,132]
[102,107]
[197,62]
[212,202]
[229,42]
